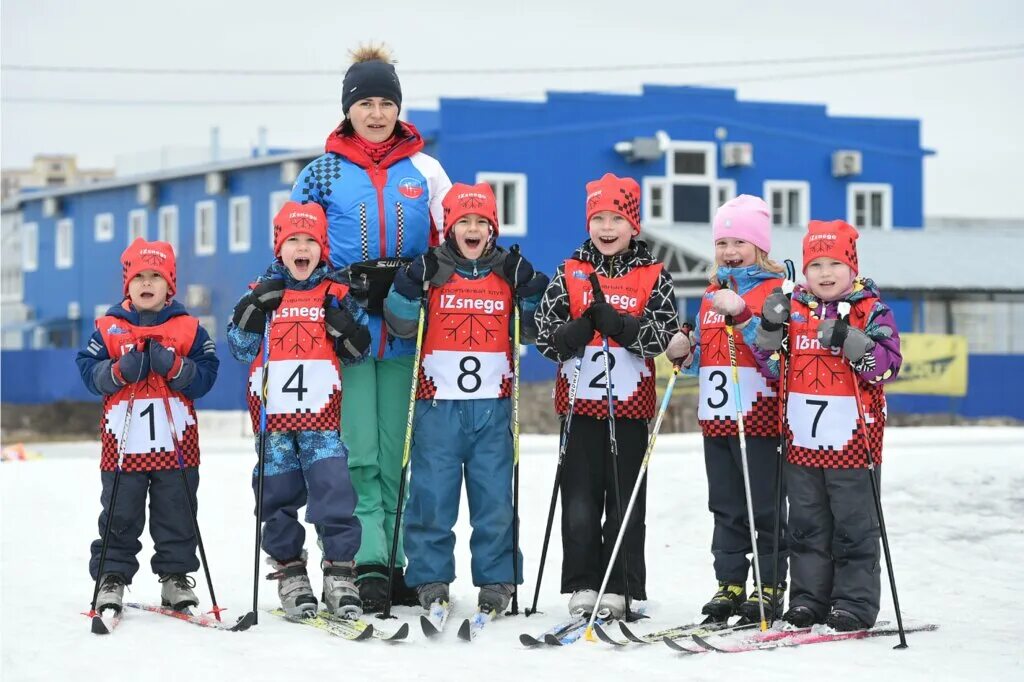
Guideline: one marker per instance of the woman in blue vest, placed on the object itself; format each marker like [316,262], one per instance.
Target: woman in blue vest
[382,196]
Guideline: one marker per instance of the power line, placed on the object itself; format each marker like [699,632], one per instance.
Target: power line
[179,71]
[320,102]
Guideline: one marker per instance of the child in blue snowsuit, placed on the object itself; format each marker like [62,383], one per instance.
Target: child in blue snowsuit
[463,412]
[314,324]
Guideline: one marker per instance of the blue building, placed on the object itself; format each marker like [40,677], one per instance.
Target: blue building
[690,148]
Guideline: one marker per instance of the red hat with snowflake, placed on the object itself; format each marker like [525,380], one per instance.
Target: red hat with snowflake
[295,218]
[156,256]
[834,239]
[463,200]
[612,193]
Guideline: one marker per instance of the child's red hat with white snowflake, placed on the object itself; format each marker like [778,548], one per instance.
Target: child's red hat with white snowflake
[295,218]
[463,200]
[834,239]
[156,256]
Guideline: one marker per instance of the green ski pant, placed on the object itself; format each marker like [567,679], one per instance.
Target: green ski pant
[374,409]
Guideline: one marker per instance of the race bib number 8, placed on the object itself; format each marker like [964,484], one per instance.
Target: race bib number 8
[297,385]
[717,390]
[466,376]
[148,429]
[627,370]
[819,422]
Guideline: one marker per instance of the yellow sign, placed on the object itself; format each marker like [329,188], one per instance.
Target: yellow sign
[933,364]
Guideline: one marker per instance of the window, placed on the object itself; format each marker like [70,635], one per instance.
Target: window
[30,247]
[239,224]
[725,191]
[789,201]
[137,225]
[655,200]
[64,252]
[277,200]
[691,172]
[167,226]
[206,228]
[209,323]
[510,193]
[869,206]
[104,226]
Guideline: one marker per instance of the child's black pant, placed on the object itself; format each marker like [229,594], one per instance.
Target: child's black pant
[170,525]
[588,494]
[834,540]
[727,500]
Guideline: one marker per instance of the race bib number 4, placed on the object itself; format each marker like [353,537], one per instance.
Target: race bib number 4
[148,430]
[297,385]
[626,368]
[461,376]
[717,392]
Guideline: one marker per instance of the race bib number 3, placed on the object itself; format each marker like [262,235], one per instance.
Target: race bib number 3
[717,392]
[148,429]
[297,385]
[627,371]
[461,376]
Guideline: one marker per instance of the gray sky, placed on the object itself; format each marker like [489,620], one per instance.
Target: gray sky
[970,112]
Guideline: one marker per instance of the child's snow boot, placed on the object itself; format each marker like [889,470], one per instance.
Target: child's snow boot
[725,602]
[800,617]
[293,588]
[613,604]
[773,598]
[340,594]
[111,593]
[176,591]
[582,602]
[495,597]
[844,621]
[429,593]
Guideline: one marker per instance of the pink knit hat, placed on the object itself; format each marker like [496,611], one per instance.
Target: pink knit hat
[747,218]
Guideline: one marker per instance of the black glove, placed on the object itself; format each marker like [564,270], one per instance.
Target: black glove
[352,339]
[163,360]
[268,294]
[248,316]
[409,280]
[573,336]
[133,366]
[535,287]
[607,320]
[516,270]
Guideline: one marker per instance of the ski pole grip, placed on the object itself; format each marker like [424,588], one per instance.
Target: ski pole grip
[595,284]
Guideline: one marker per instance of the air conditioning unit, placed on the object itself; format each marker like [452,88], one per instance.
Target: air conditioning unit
[846,162]
[737,154]
[74,310]
[215,183]
[145,193]
[51,207]
[197,297]
[289,172]
[641,149]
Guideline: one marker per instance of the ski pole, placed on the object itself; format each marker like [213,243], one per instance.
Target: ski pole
[844,311]
[122,444]
[787,288]
[612,442]
[589,634]
[730,332]
[566,426]
[261,462]
[515,457]
[420,324]
[188,497]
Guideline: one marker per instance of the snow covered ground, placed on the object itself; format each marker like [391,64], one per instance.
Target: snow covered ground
[954,506]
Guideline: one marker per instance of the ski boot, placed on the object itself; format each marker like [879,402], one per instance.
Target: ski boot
[340,594]
[429,593]
[372,580]
[176,591]
[800,617]
[844,621]
[495,597]
[401,593]
[613,604]
[293,588]
[582,602]
[773,598]
[725,602]
[111,593]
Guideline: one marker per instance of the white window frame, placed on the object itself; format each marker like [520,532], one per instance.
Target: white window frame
[869,187]
[103,227]
[710,150]
[138,224]
[239,232]
[167,226]
[277,200]
[206,247]
[728,186]
[30,247]
[518,180]
[649,185]
[64,244]
[801,186]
